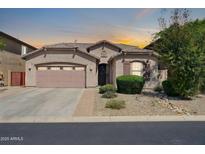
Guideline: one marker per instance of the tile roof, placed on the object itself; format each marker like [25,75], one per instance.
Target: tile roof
[84,46]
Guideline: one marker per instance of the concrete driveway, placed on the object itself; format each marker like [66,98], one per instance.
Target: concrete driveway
[32,103]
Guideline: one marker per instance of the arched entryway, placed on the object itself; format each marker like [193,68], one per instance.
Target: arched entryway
[102,74]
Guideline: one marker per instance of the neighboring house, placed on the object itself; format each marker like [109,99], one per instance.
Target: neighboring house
[12,66]
[87,64]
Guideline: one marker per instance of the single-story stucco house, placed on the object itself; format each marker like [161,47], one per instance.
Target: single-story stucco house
[88,64]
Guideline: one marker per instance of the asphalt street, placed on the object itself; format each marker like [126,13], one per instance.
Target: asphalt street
[110,133]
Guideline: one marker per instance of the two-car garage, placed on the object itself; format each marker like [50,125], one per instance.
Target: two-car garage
[60,76]
[61,68]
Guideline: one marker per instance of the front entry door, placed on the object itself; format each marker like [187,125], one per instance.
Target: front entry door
[102,74]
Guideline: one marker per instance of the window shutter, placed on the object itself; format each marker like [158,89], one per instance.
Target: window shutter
[126,68]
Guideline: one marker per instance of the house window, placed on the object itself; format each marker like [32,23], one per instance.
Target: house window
[68,68]
[55,68]
[42,68]
[79,68]
[136,68]
[23,50]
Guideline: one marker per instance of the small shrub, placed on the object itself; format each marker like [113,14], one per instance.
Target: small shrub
[109,94]
[130,84]
[169,89]
[107,87]
[158,88]
[115,104]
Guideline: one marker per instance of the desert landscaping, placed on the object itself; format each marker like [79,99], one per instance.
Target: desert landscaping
[150,102]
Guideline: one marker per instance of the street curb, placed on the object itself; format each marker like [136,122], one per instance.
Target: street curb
[91,119]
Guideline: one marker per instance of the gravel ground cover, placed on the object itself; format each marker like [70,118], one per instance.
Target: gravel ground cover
[151,103]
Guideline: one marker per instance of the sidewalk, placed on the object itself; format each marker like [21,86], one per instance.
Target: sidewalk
[90,119]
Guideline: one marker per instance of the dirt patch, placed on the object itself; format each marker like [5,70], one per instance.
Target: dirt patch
[151,103]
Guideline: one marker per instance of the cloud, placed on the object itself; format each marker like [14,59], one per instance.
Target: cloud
[145,12]
[132,40]
[135,28]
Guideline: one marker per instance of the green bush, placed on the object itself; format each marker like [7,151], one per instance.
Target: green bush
[130,84]
[168,88]
[107,87]
[158,88]
[181,47]
[115,104]
[109,94]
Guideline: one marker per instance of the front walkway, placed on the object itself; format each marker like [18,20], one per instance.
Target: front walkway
[86,104]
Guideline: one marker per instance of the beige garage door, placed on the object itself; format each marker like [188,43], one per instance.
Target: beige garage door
[62,77]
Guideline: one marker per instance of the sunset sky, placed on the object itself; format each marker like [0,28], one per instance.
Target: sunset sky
[47,26]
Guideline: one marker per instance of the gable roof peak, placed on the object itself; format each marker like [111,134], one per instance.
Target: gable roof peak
[104,42]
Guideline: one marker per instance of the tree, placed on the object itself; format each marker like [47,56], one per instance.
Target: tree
[182,49]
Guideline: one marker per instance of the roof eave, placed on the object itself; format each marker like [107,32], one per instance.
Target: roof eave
[30,53]
[17,40]
[62,49]
[147,52]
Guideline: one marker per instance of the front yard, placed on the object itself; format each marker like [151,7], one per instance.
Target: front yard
[150,103]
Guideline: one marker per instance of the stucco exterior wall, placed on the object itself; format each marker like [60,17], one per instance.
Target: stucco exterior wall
[67,56]
[163,74]
[10,62]
[118,61]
